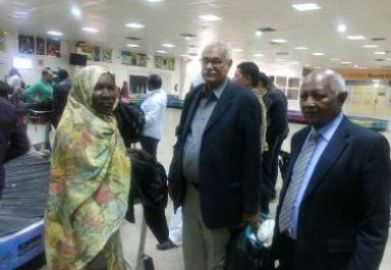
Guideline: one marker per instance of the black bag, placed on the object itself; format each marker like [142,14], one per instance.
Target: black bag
[149,179]
[131,121]
[245,251]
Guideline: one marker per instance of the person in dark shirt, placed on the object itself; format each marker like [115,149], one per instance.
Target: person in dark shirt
[13,138]
[60,95]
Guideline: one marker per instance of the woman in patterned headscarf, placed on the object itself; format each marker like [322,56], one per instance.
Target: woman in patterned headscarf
[90,178]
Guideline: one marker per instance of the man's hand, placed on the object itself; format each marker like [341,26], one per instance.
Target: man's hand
[251,219]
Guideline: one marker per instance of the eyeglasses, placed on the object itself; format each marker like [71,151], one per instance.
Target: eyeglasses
[213,61]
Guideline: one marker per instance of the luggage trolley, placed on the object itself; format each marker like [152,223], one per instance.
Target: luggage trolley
[40,117]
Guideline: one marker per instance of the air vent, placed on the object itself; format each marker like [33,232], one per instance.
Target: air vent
[193,54]
[191,46]
[380,59]
[275,43]
[133,38]
[378,39]
[282,53]
[188,35]
[266,29]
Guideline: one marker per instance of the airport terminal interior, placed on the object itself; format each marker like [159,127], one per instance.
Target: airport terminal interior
[286,39]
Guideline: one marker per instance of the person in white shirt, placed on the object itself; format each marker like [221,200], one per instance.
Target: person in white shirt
[14,80]
[154,108]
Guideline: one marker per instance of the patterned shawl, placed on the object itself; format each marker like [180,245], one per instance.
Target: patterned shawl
[90,181]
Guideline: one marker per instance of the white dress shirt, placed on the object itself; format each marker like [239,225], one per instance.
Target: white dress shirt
[154,108]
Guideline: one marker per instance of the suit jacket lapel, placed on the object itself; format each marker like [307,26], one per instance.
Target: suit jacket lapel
[223,104]
[329,157]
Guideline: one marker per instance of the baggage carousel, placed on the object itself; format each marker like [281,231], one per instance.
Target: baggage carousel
[22,209]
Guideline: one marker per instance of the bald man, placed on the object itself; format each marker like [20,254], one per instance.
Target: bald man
[334,205]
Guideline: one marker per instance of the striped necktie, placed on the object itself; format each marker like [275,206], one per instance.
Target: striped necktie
[298,172]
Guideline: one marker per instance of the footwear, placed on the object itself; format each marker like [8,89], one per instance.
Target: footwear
[166,245]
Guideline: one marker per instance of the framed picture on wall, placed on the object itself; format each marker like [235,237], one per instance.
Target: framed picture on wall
[163,62]
[96,54]
[40,46]
[134,59]
[107,54]
[2,40]
[53,47]
[26,44]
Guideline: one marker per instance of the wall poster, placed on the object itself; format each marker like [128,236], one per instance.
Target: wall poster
[53,47]
[107,54]
[134,59]
[2,40]
[163,62]
[26,44]
[40,46]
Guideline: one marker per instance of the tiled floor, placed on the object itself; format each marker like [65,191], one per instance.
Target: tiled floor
[172,259]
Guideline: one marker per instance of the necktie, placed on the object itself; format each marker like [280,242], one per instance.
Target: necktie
[299,169]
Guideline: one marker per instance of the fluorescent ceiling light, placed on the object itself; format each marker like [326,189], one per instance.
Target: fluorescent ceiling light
[76,12]
[279,40]
[356,66]
[168,45]
[258,33]
[135,25]
[161,51]
[22,63]
[237,50]
[209,18]
[380,53]
[54,33]
[258,55]
[335,59]
[356,37]
[306,6]
[295,62]
[318,54]
[131,45]
[363,68]
[371,46]
[153,1]
[341,28]
[90,29]
[346,63]
[301,48]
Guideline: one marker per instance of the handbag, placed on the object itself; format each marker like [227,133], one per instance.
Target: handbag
[245,251]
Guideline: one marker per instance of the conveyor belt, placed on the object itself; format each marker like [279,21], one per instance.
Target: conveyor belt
[24,195]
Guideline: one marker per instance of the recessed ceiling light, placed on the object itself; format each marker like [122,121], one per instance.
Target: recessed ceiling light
[341,28]
[301,48]
[279,40]
[317,54]
[335,59]
[54,33]
[306,6]
[90,29]
[168,45]
[371,46]
[346,63]
[258,33]
[135,25]
[356,37]
[380,53]
[363,68]
[237,50]
[76,12]
[258,55]
[132,45]
[161,51]
[356,66]
[209,18]
[153,1]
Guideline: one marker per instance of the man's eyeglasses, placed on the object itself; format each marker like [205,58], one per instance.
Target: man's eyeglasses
[213,61]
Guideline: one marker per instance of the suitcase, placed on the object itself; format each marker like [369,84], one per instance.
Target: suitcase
[144,262]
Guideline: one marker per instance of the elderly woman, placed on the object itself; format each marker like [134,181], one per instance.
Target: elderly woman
[90,178]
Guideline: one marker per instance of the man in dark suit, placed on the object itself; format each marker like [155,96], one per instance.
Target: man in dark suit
[60,95]
[13,138]
[277,130]
[334,205]
[214,173]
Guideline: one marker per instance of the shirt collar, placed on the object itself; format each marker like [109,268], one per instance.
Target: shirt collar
[217,92]
[327,131]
